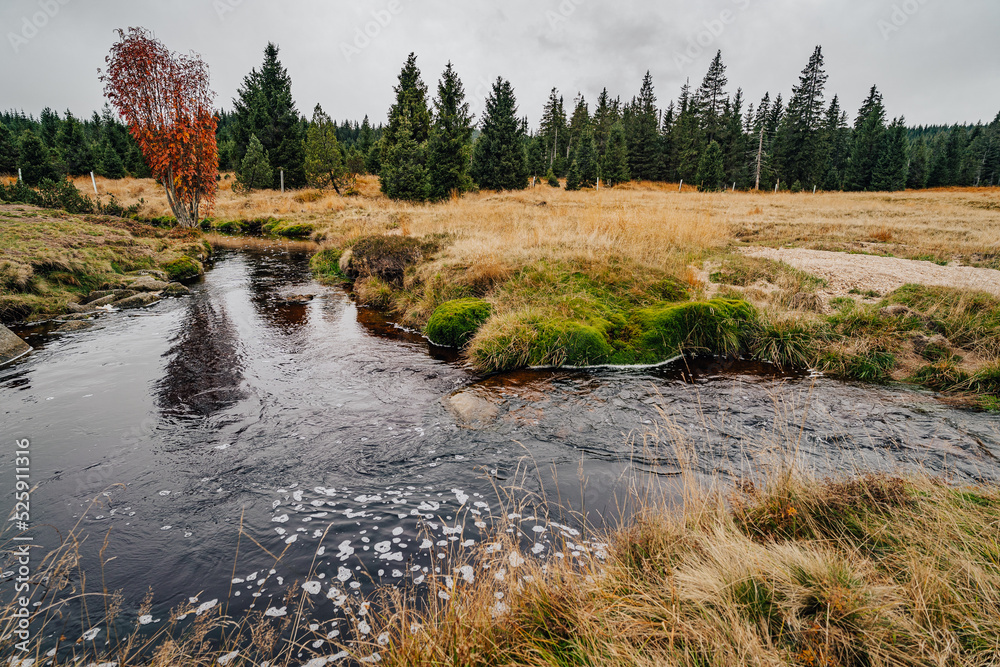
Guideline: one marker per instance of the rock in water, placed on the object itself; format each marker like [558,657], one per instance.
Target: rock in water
[471,410]
[137,301]
[148,284]
[11,345]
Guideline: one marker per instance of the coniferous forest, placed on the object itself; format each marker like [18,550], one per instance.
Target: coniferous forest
[430,145]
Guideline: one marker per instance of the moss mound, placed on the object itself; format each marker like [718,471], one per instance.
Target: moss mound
[326,264]
[183,268]
[454,323]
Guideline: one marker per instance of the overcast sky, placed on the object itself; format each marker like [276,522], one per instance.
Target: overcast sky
[936,61]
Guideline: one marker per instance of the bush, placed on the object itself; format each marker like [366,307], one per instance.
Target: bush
[454,323]
[386,257]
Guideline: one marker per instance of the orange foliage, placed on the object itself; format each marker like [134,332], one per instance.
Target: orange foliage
[166,101]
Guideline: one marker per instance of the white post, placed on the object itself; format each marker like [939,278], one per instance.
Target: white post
[681,186]
[598,184]
[734,186]
[19,175]
[814,189]
[282,180]
[93,182]
[776,186]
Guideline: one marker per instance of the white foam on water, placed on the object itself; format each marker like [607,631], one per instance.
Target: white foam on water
[311,587]
[276,612]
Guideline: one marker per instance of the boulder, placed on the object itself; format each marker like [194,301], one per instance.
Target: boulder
[296,299]
[148,284]
[76,325]
[176,289]
[117,295]
[154,273]
[78,308]
[471,410]
[11,345]
[137,301]
[100,294]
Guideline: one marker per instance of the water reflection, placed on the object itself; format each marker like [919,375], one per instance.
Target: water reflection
[204,370]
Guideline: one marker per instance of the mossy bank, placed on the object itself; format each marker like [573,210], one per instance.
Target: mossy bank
[50,260]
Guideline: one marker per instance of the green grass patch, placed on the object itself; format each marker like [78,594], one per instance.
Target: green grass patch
[287,228]
[743,271]
[454,323]
[325,265]
[183,268]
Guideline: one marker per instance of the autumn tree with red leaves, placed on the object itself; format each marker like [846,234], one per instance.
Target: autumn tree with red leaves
[166,101]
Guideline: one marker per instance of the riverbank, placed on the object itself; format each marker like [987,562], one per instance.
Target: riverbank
[52,260]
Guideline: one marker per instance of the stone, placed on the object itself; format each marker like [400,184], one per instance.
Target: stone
[921,342]
[808,301]
[78,308]
[297,299]
[78,317]
[148,284]
[176,289]
[138,300]
[76,325]
[345,262]
[100,294]
[471,410]
[154,273]
[11,345]
[895,310]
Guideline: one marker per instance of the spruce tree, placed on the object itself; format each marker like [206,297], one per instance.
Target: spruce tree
[579,123]
[77,158]
[573,177]
[837,146]
[49,130]
[606,115]
[449,149]
[403,174]
[891,170]
[405,137]
[916,178]
[110,164]
[555,132]
[668,144]
[643,140]
[710,99]
[686,137]
[33,159]
[8,151]
[868,143]
[537,164]
[711,172]
[499,161]
[586,159]
[615,168]
[255,171]
[264,108]
[799,149]
[324,160]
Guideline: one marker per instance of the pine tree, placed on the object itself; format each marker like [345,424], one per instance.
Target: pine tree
[919,162]
[710,99]
[49,127]
[686,137]
[615,165]
[499,161]
[537,164]
[578,124]
[668,144]
[255,169]
[606,115]
[573,177]
[555,132]
[799,149]
[34,159]
[711,173]
[405,137]
[891,170]
[8,151]
[71,140]
[110,164]
[264,108]
[366,139]
[403,173]
[643,135]
[869,133]
[450,145]
[324,162]
[586,159]
[734,142]
[837,143]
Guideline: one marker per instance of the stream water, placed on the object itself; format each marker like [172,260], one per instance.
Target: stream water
[324,431]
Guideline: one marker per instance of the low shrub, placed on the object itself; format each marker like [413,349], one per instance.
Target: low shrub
[386,257]
[454,323]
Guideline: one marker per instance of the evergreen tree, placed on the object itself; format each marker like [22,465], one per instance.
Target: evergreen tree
[135,163]
[573,177]
[586,159]
[264,108]
[110,164]
[615,168]
[537,164]
[668,144]
[77,158]
[643,135]
[919,163]
[606,115]
[710,99]
[405,137]
[366,139]
[799,144]
[499,161]
[8,151]
[578,124]
[711,172]
[49,127]
[34,159]
[686,137]
[255,171]
[324,160]
[869,134]
[734,142]
[403,173]
[891,170]
[554,132]
[450,145]
[837,143]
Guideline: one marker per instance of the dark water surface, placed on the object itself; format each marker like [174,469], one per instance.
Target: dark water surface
[324,430]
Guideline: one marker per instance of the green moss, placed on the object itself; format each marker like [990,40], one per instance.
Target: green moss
[288,229]
[454,323]
[873,365]
[941,376]
[183,268]
[787,343]
[325,265]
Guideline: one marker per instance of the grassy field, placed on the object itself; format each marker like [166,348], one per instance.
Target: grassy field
[584,278]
